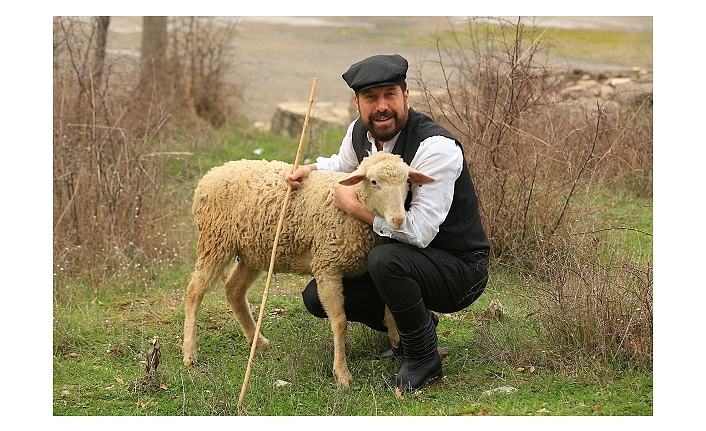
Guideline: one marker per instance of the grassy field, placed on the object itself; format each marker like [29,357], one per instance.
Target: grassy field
[574,339]
[100,344]
[102,336]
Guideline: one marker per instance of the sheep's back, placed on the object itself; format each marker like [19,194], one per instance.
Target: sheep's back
[339,241]
[238,205]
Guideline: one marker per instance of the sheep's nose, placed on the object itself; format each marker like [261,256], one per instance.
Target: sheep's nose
[397,222]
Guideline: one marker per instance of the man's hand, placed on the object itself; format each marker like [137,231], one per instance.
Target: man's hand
[293,179]
[344,198]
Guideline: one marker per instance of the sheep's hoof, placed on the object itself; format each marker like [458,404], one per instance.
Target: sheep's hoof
[189,360]
[263,343]
[343,379]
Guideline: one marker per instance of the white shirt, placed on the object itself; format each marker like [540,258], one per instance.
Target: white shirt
[438,157]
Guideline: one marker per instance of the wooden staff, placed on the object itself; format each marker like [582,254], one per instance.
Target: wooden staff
[274,249]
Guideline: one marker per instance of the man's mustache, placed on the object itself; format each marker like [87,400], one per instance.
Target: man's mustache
[384,114]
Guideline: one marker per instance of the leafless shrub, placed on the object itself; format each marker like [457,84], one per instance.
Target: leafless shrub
[535,157]
[116,140]
[199,61]
[530,152]
[592,301]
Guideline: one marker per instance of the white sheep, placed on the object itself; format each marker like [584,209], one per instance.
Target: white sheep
[237,209]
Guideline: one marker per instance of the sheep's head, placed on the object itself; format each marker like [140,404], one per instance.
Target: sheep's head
[383,182]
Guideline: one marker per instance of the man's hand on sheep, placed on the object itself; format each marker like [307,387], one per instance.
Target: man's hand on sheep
[293,179]
[345,198]
[232,210]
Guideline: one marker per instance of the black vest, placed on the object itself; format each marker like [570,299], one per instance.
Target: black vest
[462,232]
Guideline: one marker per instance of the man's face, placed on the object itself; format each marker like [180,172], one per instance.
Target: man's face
[383,110]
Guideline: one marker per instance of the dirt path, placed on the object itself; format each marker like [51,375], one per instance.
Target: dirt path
[276,58]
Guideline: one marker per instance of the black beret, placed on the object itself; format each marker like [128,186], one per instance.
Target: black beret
[375,71]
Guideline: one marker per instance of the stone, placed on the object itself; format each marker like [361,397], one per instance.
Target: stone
[288,119]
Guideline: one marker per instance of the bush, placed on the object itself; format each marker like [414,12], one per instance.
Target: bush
[118,133]
[536,157]
[531,153]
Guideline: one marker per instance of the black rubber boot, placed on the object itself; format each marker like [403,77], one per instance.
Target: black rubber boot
[394,353]
[421,362]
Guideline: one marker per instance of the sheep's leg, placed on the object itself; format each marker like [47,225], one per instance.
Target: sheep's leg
[392,335]
[331,295]
[202,280]
[237,285]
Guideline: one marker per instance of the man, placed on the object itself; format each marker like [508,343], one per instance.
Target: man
[438,260]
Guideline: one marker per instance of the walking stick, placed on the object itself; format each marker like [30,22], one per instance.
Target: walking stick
[274,250]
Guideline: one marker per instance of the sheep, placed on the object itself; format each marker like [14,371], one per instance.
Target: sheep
[237,207]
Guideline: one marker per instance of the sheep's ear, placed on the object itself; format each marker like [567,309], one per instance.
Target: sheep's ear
[416,177]
[352,179]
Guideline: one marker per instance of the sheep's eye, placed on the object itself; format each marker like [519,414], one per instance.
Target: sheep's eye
[373,182]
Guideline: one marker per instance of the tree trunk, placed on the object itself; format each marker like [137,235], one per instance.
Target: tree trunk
[154,47]
[102,23]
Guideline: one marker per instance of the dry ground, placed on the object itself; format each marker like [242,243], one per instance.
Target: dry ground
[277,58]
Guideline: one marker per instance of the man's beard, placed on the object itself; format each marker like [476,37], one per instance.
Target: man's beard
[384,133]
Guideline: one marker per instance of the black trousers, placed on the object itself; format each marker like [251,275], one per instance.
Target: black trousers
[399,275]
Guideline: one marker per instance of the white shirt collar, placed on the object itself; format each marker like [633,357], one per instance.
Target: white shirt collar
[386,146]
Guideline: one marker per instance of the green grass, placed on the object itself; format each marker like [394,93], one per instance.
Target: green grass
[98,345]
[254,144]
[598,46]
[101,333]
[630,49]
[621,220]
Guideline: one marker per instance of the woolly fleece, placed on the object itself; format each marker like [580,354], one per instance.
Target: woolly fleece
[237,207]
